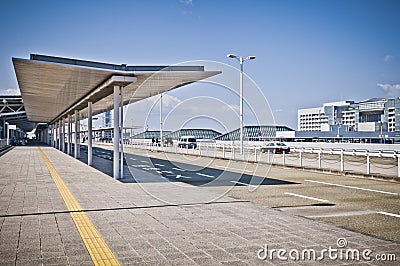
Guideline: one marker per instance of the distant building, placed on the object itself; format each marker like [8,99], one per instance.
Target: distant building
[373,115]
[257,133]
[150,134]
[197,133]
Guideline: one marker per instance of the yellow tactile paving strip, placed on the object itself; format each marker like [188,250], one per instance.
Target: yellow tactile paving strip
[94,242]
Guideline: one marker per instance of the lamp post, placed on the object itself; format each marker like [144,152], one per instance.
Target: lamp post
[241,59]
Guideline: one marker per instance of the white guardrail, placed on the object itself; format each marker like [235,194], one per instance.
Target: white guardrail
[383,159]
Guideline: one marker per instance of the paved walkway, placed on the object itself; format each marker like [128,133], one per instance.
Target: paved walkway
[38,225]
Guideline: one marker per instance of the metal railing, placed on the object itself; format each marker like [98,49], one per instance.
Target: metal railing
[357,161]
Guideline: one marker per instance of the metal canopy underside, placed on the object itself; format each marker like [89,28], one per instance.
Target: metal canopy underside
[12,110]
[53,87]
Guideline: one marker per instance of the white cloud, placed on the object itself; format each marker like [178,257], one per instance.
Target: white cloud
[170,101]
[186,2]
[388,58]
[10,92]
[391,89]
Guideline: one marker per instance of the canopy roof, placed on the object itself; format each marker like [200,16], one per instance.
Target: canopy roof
[53,87]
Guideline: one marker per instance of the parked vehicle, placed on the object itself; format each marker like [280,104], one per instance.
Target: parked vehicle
[276,147]
[189,142]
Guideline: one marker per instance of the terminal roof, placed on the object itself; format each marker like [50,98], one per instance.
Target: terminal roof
[53,87]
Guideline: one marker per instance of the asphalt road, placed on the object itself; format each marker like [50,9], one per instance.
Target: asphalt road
[363,205]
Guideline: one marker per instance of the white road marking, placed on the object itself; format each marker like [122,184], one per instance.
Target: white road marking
[305,197]
[241,183]
[178,169]
[159,164]
[389,214]
[133,159]
[139,165]
[341,214]
[237,169]
[359,188]
[154,168]
[144,161]
[178,176]
[210,176]
[168,172]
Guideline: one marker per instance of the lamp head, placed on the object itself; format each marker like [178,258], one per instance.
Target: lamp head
[231,56]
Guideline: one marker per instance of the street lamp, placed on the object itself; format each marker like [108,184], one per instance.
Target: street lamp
[241,59]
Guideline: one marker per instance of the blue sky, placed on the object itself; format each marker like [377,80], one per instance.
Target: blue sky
[308,52]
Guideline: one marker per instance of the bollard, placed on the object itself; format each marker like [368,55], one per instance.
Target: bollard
[398,165]
[207,150]
[319,159]
[223,151]
[233,152]
[283,157]
[268,159]
[341,161]
[301,157]
[368,164]
[255,154]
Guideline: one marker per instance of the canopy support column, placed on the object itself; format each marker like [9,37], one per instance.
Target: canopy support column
[121,122]
[59,135]
[63,134]
[76,147]
[117,132]
[69,135]
[89,136]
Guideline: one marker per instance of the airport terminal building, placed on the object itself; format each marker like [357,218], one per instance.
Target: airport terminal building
[369,117]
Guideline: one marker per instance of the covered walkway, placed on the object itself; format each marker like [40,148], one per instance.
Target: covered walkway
[62,91]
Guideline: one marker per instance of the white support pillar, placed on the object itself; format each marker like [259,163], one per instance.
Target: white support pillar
[368,164]
[63,135]
[161,119]
[53,136]
[121,123]
[59,135]
[69,135]
[89,136]
[117,102]
[76,135]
